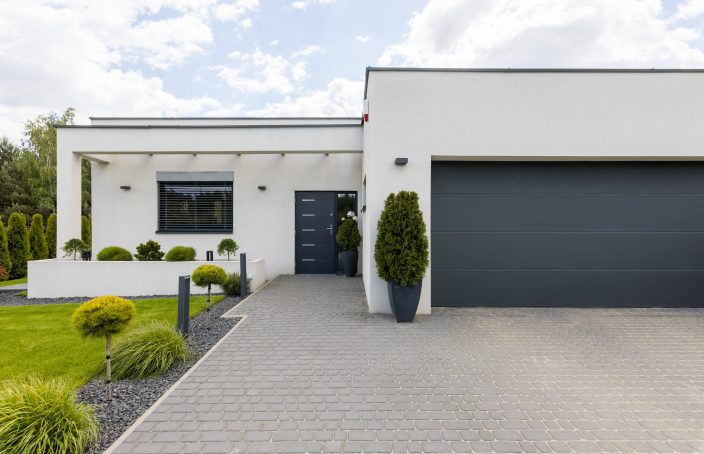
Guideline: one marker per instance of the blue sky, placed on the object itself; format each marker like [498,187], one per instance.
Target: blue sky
[303,57]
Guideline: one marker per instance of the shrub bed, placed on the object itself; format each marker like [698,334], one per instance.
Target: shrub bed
[114,254]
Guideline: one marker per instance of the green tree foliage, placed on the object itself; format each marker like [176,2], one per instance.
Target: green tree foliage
[207,276]
[86,231]
[104,316]
[348,236]
[18,245]
[227,246]
[401,249]
[5,260]
[180,254]
[114,254]
[73,246]
[38,249]
[149,252]
[51,235]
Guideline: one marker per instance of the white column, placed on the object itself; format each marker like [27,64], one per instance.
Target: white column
[68,193]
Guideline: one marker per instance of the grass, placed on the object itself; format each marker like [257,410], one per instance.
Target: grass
[148,350]
[22,280]
[40,340]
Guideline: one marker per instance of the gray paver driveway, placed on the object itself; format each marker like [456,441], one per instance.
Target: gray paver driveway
[309,370]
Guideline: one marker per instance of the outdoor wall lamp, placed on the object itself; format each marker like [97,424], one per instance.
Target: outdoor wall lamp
[261,188]
[126,188]
[401,161]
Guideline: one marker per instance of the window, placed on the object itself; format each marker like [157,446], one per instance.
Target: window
[195,206]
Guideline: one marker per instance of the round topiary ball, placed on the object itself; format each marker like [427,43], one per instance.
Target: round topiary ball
[206,275]
[103,316]
[114,254]
[180,254]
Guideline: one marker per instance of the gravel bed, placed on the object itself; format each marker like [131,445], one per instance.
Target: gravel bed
[9,299]
[131,398]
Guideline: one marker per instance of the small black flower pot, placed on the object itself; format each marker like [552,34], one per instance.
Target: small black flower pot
[404,300]
[349,262]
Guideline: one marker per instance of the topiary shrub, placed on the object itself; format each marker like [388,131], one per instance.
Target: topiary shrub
[401,248]
[207,276]
[73,246]
[44,417]
[17,245]
[148,350]
[51,235]
[348,236]
[5,261]
[181,254]
[114,254]
[227,246]
[149,252]
[104,316]
[38,249]
[4,275]
[86,232]
[232,286]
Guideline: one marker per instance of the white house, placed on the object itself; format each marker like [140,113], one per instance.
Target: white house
[539,187]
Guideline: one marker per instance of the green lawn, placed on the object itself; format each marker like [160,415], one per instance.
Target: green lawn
[13,282]
[41,340]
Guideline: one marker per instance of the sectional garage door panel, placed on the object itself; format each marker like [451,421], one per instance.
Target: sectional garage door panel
[567,234]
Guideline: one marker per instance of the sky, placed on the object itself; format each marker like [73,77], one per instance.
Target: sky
[303,57]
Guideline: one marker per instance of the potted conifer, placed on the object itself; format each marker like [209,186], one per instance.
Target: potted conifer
[401,253]
[348,238]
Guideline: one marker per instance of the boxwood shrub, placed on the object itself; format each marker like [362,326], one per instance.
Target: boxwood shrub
[181,254]
[114,254]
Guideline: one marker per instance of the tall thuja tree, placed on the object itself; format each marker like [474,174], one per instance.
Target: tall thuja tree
[5,261]
[86,231]
[51,235]
[38,249]
[17,245]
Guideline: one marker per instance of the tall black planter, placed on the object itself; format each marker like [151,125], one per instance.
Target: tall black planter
[349,262]
[404,300]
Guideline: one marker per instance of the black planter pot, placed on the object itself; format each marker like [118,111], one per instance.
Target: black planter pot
[404,300]
[340,270]
[349,262]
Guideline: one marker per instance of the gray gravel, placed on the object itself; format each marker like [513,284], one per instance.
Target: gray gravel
[131,398]
[10,299]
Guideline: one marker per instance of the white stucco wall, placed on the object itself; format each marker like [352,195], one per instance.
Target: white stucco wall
[264,221]
[427,116]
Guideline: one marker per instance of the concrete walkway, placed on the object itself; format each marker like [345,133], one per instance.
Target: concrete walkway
[308,370]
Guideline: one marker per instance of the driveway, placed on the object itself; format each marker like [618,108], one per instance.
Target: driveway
[308,370]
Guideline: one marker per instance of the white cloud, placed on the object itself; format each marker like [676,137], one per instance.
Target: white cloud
[303,4]
[274,42]
[246,24]
[261,72]
[364,39]
[232,11]
[341,98]
[543,33]
[689,9]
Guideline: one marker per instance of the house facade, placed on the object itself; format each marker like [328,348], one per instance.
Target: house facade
[538,187]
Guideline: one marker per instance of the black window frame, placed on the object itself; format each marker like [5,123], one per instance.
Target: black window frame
[228,212]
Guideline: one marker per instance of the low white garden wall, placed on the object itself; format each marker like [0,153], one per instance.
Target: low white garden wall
[68,278]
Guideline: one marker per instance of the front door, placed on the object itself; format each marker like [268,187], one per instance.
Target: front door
[315,239]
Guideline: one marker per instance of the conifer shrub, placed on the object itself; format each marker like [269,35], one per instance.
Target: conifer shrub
[149,252]
[5,261]
[17,245]
[4,275]
[207,276]
[348,236]
[86,232]
[38,249]
[114,254]
[51,235]
[227,246]
[180,254]
[73,246]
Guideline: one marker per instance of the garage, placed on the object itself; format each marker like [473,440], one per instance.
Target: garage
[548,234]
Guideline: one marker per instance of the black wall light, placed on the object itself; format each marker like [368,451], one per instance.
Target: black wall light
[126,188]
[261,188]
[401,161]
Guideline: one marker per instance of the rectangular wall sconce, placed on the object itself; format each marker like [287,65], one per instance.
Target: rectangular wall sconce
[126,188]
[401,161]
[261,188]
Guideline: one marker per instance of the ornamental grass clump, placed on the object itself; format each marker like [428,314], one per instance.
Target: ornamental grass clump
[227,246]
[207,276]
[401,248]
[180,254]
[104,316]
[148,350]
[43,417]
[114,254]
[233,284]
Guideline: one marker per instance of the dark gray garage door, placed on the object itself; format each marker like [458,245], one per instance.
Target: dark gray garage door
[567,234]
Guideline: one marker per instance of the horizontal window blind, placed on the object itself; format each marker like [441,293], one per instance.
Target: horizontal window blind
[195,207]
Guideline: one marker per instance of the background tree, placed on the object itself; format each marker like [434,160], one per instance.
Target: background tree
[51,235]
[5,261]
[38,249]
[17,244]
[104,316]
[86,231]
[227,246]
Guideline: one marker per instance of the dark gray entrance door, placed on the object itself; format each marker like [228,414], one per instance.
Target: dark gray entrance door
[568,234]
[315,241]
